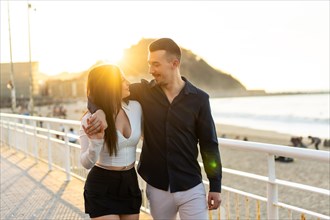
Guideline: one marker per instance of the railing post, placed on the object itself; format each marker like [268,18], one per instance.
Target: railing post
[67,155]
[25,138]
[9,134]
[50,161]
[15,129]
[1,132]
[272,194]
[2,138]
[35,147]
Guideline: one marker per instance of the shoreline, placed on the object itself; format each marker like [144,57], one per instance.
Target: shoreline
[270,94]
[263,136]
[75,110]
[255,135]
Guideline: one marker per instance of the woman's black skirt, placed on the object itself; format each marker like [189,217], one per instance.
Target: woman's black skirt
[110,192]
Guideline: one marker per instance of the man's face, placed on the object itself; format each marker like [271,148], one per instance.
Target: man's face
[160,67]
[125,87]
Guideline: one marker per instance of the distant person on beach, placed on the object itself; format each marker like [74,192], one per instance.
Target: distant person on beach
[62,129]
[326,143]
[177,116]
[297,142]
[72,139]
[315,140]
[111,190]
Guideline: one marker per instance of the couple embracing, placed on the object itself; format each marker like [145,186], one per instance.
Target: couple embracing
[174,117]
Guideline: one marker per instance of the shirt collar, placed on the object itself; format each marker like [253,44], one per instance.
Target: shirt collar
[188,87]
[125,105]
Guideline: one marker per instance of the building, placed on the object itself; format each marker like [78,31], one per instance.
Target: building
[21,75]
[67,85]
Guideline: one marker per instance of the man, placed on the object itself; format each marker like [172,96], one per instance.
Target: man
[315,140]
[177,117]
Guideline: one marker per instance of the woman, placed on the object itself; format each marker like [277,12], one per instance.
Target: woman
[111,190]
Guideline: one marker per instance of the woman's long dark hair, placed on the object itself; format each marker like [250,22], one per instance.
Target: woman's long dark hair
[104,89]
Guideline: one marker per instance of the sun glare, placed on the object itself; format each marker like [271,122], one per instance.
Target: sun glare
[58,61]
[71,36]
[114,56]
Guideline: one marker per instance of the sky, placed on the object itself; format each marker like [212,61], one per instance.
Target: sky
[277,46]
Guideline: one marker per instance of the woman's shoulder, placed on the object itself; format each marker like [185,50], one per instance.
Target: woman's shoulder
[134,104]
[135,108]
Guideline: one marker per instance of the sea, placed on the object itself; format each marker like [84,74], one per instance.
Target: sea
[298,115]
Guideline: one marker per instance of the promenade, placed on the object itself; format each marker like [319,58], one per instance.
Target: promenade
[30,191]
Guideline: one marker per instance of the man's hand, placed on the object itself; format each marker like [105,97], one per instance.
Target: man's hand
[214,200]
[96,123]
[98,135]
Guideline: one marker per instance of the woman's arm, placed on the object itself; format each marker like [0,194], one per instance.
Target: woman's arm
[91,145]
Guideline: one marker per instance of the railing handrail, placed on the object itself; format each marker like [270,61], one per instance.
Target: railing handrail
[274,149]
[44,119]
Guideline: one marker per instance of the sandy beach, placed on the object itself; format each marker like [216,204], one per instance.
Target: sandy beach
[301,171]
[237,132]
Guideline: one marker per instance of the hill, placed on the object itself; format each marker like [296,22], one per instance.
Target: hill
[134,63]
[199,72]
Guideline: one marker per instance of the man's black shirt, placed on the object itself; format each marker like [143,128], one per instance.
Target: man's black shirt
[171,135]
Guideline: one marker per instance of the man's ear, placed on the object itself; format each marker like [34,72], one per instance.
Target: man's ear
[175,63]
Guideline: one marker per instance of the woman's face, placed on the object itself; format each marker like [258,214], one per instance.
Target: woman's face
[125,87]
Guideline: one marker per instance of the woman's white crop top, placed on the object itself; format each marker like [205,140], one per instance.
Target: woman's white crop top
[95,150]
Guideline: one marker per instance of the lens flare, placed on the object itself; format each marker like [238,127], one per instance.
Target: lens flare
[213,164]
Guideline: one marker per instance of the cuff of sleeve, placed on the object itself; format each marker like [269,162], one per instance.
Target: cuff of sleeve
[215,185]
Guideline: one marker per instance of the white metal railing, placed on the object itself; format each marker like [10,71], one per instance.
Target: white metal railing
[272,182]
[47,139]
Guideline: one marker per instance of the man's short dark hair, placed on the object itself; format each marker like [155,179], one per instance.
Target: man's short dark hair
[166,44]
